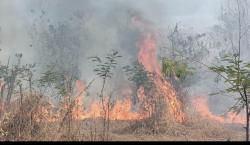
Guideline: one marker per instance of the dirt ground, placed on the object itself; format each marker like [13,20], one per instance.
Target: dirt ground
[203,130]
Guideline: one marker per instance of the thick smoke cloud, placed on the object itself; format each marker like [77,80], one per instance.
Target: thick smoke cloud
[81,28]
[18,17]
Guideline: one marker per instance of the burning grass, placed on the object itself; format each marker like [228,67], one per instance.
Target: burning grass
[201,105]
[195,128]
[160,116]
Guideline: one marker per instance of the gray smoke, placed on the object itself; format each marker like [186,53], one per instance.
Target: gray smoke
[79,29]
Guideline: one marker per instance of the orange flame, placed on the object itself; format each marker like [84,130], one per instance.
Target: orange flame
[121,110]
[148,58]
[45,114]
[201,106]
[78,111]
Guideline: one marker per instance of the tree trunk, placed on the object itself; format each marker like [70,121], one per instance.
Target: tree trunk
[2,98]
[247,127]
[247,112]
[104,120]
[108,117]
[11,86]
[30,85]
[104,110]
[2,92]
[21,94]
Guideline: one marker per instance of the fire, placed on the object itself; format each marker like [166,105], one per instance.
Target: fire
[45,114]
[121,110]
[201,106]
[148,58]
[78,112]
[147,54]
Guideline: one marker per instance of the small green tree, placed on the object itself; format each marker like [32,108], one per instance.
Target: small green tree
[14,76]
[10,76]
[137,74]
[235,70]
[153,102]
[178,73]
[104,69]
[176,70]
[237,74]
[63,82]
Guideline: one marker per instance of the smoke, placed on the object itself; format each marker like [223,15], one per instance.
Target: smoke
[68,32]
[99,24]
[78,30]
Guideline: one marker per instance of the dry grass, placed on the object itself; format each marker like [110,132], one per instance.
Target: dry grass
[202,132]
[16,126]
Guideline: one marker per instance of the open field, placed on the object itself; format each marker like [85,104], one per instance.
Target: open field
[124,70]
[90,130]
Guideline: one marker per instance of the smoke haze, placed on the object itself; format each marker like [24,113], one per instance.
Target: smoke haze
[81,28]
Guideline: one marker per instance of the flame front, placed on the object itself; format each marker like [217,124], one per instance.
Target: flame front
[122,109]
[148,58]
[201,106]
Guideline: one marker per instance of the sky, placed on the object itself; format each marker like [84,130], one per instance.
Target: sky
[15,16]
[199,14]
